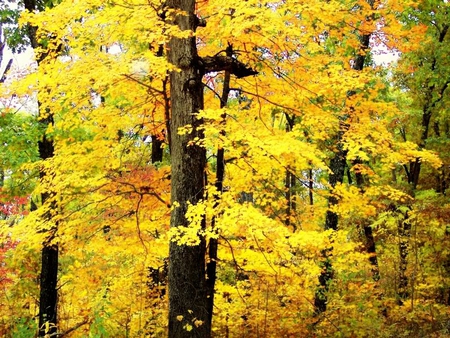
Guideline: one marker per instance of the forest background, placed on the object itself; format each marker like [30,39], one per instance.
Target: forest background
[193,168]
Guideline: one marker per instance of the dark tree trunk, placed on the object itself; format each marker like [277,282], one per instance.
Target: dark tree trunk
[372,251]
[49,270]
[325,277]
[48,292]
[289,182]
[157,149]
[337,166]
[404,230]
[188,303]
[158,139]
[368,232]
[311,187]
[190,310]
[211,266]
[413,175]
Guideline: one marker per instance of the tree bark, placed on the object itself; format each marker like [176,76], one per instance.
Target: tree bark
[188,302]
[190,310]
[157,149]
[211,266]
[48,290]
[48,293]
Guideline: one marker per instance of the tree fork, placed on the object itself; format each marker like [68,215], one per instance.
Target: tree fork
[189,308]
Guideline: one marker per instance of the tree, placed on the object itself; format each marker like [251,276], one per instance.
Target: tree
[187,283]
[49,264]
[188,290]
[424,75]
[245,244]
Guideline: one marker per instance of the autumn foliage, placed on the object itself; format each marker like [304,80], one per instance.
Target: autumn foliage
[331,218]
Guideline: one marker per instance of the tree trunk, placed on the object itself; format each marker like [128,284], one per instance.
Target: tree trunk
[311,187]
[337,166]
[368,232]
[188,304]
[413,175]
[289,182]
[404,232]
[157,149]
[211,266]
[158,139]
[48,293]
[190,310]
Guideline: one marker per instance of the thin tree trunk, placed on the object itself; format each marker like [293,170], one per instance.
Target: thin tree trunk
[157,149]
[337,166]
[48,296]
[289,182]
[49,269]
[211,267]
[368,232]
[157,140]
[404,232]
[404,227]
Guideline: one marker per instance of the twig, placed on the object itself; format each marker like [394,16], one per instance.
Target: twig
[62,334]
[8,67]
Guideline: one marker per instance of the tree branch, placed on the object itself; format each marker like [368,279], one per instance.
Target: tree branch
[219,63]
[62,334]
[5,73]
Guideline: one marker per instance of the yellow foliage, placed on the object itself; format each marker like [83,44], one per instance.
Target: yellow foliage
[110,207]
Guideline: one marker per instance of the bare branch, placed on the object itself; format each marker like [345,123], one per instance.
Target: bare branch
[8,67]
[62,334]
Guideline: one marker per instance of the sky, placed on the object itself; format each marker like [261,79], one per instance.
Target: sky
[20,61]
